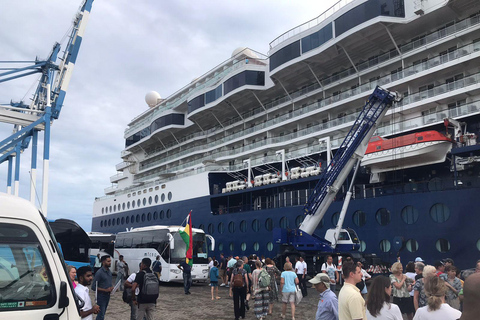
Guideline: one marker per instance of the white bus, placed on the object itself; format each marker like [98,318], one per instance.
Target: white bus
[166,242]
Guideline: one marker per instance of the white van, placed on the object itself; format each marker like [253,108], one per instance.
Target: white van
[33,278]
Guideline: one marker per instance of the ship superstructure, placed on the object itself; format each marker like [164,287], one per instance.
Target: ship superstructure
[243,144]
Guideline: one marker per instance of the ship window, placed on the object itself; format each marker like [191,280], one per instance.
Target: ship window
[118,221]
[132,219]
[231,227]
[255,225]
[435,184]
[335,218]
[243,246]
[113,222]
[156,198]
[149,216]
[439,212]
[169,214]
[103,209]
[134,194]
[298,220]
[379,147]
[232,246]
[122,220]
[269,246]
[220,247]
[138,203]
[110,208]
[256,246]
[210,228]
[137,219]
[144,201]
[443,245]
[419,138]
[127,220]
[285,54]
[144,190]
[409,215]
[162,214]
[243,226]
[221,228]
[478,245]
[269,224]
[109,222]
[150,200]
[363,246]
[359,218]
[284,223]
[383,216]
[412,245]
[155,215]
[133,204]
[101,224]
[385,245]
[163,197]
[169,196]
[123,206]
[128,205]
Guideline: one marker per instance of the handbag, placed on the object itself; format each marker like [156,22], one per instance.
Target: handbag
[298,295]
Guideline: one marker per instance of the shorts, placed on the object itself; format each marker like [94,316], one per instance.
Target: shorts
[288,297]
[213,283]
[405,304]
[221,273]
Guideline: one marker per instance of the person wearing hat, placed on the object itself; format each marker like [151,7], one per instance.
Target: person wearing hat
[440,270]
[418,259]
[328,303]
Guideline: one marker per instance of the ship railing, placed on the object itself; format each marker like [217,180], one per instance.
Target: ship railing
[372,62]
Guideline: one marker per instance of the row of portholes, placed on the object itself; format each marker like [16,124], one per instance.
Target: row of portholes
[243,226]
[442,245]
[438,212]
[243,247]
[126,205]
[136,218]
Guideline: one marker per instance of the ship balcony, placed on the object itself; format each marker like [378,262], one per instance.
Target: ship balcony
[110,190]
[117,177]
[122,165]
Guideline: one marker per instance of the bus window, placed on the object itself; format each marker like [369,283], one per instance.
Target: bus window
[25,278]
[200,249]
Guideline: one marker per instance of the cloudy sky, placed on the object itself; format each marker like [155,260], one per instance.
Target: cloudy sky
[130,48]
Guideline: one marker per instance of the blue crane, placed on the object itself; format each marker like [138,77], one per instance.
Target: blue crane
[44,108]
[347,157]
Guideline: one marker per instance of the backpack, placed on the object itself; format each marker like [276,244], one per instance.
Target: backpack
[150,288]
[127,295]
[263,279]
[238,280]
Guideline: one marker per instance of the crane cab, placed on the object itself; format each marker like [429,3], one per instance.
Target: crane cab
[34,283]
[347,239]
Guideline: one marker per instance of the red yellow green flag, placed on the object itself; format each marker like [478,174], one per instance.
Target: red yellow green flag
[186,235]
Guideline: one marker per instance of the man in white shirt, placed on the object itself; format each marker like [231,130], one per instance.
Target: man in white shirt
[128,286]
[301,271]
[331,270]
[85,277]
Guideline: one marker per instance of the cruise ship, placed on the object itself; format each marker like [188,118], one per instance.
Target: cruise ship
[243,145]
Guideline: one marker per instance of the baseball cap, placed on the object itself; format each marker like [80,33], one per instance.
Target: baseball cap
[418,259]
[321,277]
[236,258]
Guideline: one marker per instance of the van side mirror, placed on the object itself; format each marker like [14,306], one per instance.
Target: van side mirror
[212,242]
[63,300]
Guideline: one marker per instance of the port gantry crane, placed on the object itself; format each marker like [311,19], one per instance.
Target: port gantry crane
[348,157]
[44,108]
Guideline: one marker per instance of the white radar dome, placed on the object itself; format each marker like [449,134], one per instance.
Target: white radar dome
[245,51]
[152,98]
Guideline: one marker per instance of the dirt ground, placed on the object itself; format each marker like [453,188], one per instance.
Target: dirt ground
[173,304]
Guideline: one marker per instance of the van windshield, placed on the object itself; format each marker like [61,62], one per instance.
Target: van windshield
[25,277]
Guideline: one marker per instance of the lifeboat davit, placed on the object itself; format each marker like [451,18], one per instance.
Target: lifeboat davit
[412,150]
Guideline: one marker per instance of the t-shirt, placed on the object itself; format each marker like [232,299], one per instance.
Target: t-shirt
[300,266]
[411,275]
[422,297]
[231,263]
[289,285]
[402,292]
[237,271]
[214,274]
[222,264]
[350,303]
[139,281]
[187,269]
[82,292]
[122,267]
[444,313]
[330,269]
[389,311]
[157,266]
[103,278]
[131,279]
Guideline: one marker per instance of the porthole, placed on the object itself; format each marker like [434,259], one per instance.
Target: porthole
[128,205]
[143,217]
[137,219]
[210,228]
[409,215]
[201,227]
[284,224]
[127,220]
[110,209]
[243,226]
[123,220]
[232,246]
[113,222]
[132,219]
[162,215]
[163,197]
[231,227]
[439,212]
[363,246]
[385,245]
[149,216]
[411,245]
[156,198]
[150,200]
[256,246]
[221,228]
[109,222]
[115,208]
[123,206]
[478,245]
[103,210]
[139,203]
[169,196]
[269,224]
[133,204]
[298,221]
[243,246]
[335,218]
[118,221]
[442,245]
[101,226]
[255,225]
[155,215]
[119,207]
[269,246]
[220,247]
[383,216]
[169,214]
[435,184]
[359,218]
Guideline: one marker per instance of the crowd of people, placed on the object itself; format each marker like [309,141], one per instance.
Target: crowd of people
[423,292]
